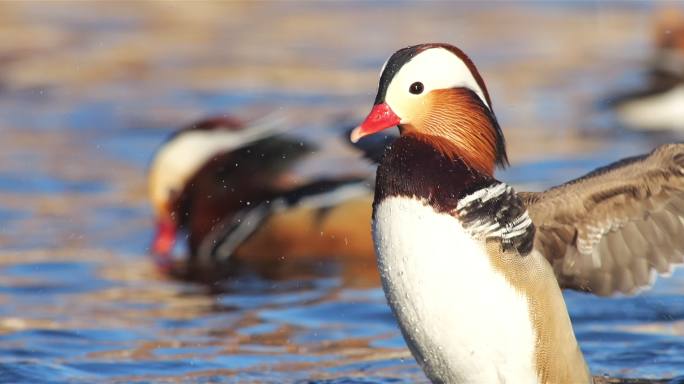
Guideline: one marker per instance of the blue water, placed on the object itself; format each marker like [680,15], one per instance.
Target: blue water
[80,300]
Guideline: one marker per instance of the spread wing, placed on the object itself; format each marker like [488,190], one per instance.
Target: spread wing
[613,229]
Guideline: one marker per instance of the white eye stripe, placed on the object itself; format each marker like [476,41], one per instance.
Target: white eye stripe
[435,68]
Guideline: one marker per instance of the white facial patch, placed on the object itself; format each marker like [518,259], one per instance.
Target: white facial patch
[435,68]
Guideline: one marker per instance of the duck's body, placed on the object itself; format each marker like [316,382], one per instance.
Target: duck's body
[244,194]
[471,268]
[655,108]
[475,309]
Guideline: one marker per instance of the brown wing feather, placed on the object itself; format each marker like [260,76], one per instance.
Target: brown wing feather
[610,230]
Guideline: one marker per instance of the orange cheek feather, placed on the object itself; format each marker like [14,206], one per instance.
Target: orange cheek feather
[459,127]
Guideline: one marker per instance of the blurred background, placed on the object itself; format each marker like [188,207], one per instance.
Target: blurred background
[89,91]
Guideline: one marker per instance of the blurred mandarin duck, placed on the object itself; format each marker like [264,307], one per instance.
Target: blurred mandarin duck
[253,194]
[472,269]
[659,104]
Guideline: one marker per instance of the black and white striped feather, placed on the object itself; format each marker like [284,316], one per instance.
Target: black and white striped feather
[497,212]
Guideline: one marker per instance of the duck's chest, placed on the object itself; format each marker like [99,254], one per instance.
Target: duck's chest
[462,319]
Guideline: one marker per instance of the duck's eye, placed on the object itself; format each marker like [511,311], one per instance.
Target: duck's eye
[416,88]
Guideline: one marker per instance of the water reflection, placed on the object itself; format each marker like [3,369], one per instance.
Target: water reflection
[88,91]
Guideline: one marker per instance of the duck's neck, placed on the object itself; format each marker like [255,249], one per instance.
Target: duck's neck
[415,167]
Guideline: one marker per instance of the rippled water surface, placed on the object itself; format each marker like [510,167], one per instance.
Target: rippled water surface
[88,92]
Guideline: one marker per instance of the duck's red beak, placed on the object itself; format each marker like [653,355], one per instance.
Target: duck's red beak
[380,117]
[163,241]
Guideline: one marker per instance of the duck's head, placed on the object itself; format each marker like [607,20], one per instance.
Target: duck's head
[174,164]
[434,93]
[669,30]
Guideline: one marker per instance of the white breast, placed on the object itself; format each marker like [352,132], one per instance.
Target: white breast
[460,317]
